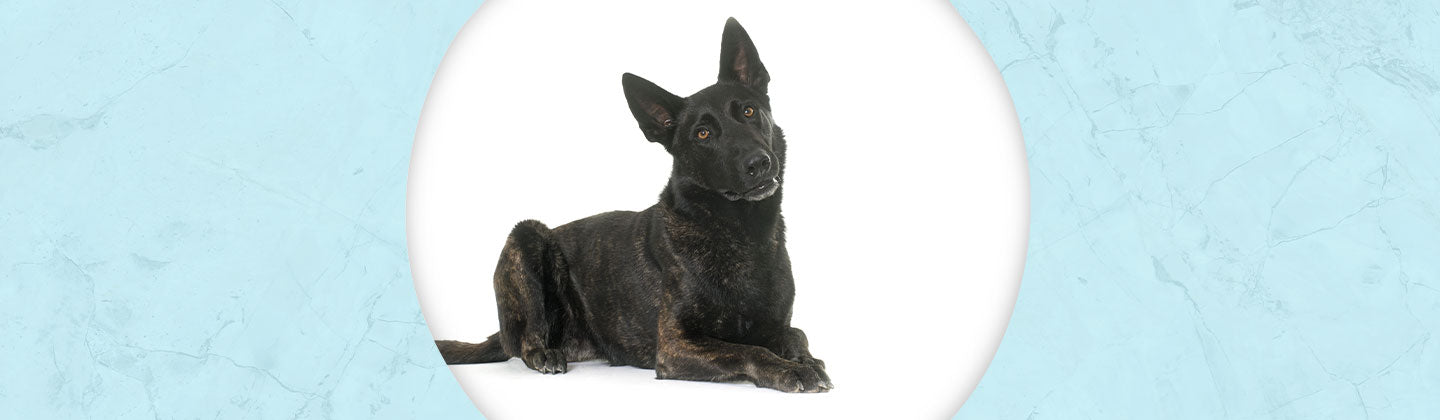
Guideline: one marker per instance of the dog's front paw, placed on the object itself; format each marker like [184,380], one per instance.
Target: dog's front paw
[819,366]
[795,377]
[809,361]
[547,361]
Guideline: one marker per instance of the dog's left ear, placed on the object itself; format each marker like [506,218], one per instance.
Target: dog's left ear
[738,60]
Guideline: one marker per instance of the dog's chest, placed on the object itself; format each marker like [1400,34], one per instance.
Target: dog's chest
[733,313]
[734,298]
[736,285]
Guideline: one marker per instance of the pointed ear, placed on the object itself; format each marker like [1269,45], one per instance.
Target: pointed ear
[653,107]
[738,60]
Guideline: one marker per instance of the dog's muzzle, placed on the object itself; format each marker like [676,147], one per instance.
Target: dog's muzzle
[759,192]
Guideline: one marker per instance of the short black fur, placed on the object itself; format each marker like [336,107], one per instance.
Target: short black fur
[698,286]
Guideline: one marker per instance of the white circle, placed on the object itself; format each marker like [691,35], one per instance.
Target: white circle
[905,199]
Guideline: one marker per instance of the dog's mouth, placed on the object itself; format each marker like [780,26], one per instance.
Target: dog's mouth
[760,192]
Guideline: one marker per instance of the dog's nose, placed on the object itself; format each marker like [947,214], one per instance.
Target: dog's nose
[757,165]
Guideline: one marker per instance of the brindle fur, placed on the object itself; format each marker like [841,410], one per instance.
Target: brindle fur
[698,286]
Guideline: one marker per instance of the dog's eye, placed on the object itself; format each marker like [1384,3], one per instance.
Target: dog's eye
[749,111]
[702,134]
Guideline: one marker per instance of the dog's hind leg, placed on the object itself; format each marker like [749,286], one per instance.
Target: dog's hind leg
[527,292]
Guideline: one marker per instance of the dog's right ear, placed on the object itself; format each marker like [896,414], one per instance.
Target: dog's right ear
[654,108]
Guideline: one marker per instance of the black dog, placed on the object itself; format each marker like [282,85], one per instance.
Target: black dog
[698,286]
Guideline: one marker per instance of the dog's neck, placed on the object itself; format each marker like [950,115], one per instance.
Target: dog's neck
[693,204]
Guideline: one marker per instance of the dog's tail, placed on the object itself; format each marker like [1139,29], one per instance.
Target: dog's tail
[461,353]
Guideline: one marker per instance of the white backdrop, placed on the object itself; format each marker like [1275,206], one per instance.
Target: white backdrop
[906,190]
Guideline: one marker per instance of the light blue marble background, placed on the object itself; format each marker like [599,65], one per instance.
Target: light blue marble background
[1234,211]
[202,210]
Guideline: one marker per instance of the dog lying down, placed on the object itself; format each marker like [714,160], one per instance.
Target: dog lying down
[698,286]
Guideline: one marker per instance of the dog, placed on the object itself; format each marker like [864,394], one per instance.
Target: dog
[698,286]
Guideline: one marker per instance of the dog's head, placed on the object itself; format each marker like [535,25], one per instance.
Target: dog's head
[722,138]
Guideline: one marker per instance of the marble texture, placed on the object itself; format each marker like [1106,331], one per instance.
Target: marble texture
[202,207]
[1233,209]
